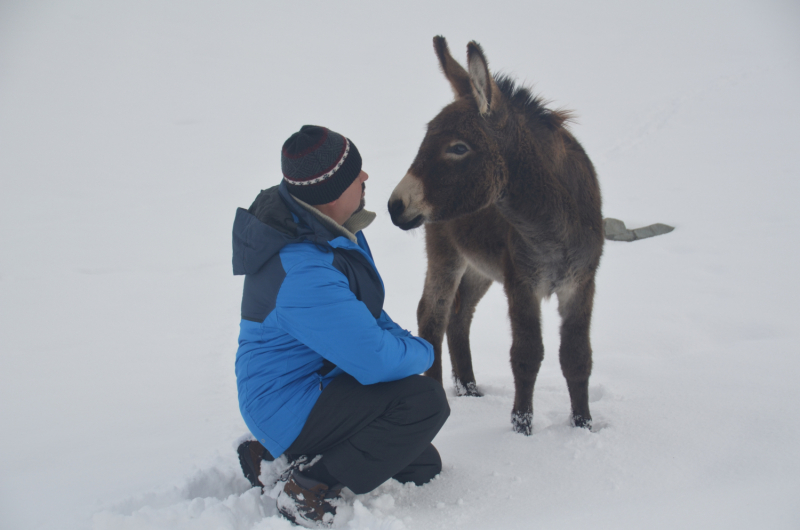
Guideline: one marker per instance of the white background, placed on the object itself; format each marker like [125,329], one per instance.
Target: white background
[131,131]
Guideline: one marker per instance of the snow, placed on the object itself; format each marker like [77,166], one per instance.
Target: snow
[131,131]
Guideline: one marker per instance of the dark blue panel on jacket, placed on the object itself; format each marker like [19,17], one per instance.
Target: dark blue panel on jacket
[261,290]
[363,278]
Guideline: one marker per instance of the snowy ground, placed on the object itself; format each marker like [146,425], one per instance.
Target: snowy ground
[131,131]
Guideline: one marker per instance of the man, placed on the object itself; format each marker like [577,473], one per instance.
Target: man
[324,375]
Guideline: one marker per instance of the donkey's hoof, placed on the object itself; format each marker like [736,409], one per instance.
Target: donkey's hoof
[582,421]
[522,422]
[467,389]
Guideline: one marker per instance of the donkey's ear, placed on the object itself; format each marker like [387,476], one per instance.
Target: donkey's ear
[454,72]
[482,84]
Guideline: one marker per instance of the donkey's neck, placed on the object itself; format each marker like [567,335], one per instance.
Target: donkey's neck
[534,195]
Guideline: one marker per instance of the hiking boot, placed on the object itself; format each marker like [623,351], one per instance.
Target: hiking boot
[251,454]
[306,502]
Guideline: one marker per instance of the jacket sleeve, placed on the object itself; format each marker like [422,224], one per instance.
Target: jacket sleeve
[315,306]
[386,323]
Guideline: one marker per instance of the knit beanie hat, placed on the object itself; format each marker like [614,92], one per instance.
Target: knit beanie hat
[319,164]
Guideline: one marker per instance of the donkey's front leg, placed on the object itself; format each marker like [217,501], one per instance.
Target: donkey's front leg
[527,349]
[432,315]
[445,268]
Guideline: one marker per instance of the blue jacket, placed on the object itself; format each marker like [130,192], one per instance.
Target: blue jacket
[312,308]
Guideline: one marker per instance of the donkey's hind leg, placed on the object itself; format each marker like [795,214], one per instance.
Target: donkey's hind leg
[575,306]
[471,289]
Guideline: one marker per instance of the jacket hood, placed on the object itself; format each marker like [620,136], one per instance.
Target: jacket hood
[273,221]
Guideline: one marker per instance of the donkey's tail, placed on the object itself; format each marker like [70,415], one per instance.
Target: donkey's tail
[615,230]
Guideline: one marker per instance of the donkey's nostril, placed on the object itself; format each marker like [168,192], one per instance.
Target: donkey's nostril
[396,208]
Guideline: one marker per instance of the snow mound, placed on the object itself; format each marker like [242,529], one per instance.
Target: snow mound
[219,498]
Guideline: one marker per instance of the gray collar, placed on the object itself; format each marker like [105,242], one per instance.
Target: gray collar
[358,221]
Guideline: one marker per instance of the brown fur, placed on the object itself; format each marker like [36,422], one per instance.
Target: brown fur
[506,194]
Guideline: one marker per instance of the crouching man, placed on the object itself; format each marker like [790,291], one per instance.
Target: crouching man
[324,375]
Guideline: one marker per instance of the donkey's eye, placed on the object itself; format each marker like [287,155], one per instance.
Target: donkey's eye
[457,149]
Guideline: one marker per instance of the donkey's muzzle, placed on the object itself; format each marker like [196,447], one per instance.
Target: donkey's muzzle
[396,211]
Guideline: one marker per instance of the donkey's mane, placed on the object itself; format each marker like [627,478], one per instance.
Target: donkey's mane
[534,107]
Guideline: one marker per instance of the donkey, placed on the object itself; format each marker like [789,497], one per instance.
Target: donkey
[506,194]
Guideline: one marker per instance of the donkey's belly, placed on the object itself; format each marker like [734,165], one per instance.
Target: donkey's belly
[487,268]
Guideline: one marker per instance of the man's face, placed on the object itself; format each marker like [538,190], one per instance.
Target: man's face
[348,203]
[353,198]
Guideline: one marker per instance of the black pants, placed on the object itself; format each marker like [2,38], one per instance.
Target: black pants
[367,434]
